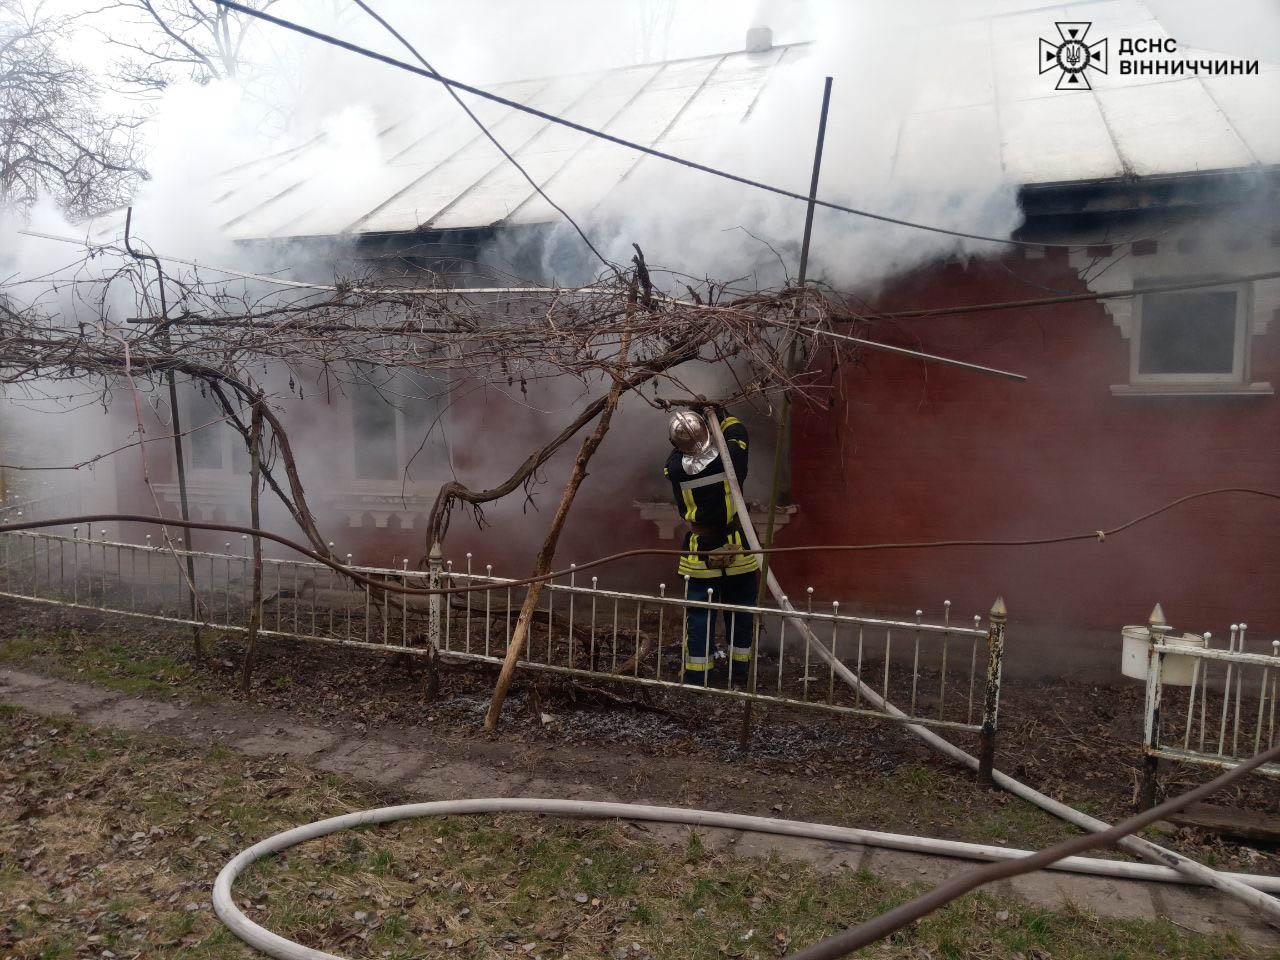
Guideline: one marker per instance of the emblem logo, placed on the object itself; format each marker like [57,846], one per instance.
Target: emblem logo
[1073,56]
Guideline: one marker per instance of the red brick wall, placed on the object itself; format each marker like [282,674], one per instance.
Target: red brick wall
[913,452]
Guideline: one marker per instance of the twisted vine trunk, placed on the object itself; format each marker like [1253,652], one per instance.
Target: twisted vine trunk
[543,562]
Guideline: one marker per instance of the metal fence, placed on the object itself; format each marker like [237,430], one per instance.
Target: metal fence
[39,500]
[1205,705]
[936,672]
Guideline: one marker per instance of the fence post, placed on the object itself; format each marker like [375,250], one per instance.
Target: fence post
[435,564]
[1157,628]
[991,704]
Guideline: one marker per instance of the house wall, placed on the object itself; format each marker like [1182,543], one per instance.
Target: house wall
[911,452]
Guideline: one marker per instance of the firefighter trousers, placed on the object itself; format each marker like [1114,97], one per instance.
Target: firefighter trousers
[700,628]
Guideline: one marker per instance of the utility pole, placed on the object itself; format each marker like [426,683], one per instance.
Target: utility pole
[782,436]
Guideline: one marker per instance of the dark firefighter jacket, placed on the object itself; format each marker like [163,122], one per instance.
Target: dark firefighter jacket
[703,499]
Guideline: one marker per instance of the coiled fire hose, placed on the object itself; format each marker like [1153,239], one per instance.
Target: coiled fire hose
[277,946]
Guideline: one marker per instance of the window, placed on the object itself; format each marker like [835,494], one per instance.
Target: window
[395,425]
[374,433]
[212,444]
[1196,337]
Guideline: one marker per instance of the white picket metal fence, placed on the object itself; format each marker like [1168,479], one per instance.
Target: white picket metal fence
[935,671]
[1206,705]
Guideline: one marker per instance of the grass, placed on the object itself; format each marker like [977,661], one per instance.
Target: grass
[95,658]
[917,798]
[110,841]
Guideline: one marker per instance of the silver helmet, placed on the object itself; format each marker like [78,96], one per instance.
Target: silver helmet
[688,432]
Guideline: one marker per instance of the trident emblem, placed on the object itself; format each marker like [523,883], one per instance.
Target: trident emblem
[1073,56]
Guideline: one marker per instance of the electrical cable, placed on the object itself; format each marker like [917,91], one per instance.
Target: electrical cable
[620,141]
[303,285]
[492,139]
[392,587]
[274,945]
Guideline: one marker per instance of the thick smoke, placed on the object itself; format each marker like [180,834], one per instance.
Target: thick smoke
[895,69]
[907,137]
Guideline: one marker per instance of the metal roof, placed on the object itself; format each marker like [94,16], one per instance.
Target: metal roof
[439,172]
[979,98]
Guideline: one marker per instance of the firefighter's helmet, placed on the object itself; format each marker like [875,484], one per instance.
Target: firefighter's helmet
[688,432]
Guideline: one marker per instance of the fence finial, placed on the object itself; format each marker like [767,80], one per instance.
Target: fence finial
[1157,617]
[998,609]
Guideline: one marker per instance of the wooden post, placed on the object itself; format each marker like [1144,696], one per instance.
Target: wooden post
[197,644]
[435,563]
[1157,629]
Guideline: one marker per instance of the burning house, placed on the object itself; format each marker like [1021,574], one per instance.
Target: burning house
[1149,179]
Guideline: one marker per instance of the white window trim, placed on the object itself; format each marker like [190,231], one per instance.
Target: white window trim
[394,484]
[228,439]
[380,484]
[1240,353]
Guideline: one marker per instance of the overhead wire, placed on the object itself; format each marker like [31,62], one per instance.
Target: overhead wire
[489,134]
[1076,297]
[302,284]
[620,141]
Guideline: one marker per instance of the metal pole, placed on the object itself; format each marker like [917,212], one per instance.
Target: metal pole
[783,435]
[176,419]
[813,183]
[915,354]
[255,595]
[182,502]
[991,706]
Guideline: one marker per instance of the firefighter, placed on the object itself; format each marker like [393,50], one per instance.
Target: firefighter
[713,559]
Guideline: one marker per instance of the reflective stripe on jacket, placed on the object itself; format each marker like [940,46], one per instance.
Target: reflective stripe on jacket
[704,498]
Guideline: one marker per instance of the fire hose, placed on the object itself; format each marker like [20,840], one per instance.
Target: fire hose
[277,946]
[1260,902]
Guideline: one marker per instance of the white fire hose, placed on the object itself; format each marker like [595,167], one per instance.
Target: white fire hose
[277,946]
[1264,905]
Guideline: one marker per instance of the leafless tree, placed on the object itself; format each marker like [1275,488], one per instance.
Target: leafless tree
[173,40]
[54,137]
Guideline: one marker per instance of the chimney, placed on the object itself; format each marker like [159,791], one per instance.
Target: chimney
[759,39]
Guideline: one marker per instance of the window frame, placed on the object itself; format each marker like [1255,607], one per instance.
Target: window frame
[1239,374]
[402,433]
[230,442]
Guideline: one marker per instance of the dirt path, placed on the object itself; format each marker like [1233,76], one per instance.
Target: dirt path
[413,763]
